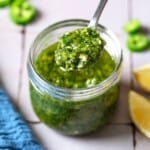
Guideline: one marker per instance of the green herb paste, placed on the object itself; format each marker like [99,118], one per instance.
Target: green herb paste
[74,117]
[68,116]
[81,78]
[82,68]
[78,48]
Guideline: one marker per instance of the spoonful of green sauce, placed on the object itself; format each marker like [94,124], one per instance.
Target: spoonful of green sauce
[81,47]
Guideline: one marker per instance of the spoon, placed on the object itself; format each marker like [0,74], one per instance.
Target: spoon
[80,53]
[94,21]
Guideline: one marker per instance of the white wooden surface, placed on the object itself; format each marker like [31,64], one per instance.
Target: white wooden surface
[120,134]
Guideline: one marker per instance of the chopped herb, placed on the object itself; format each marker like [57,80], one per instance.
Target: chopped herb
[78,48]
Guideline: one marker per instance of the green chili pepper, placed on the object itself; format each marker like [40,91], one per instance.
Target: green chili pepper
[22,12]
[138,42]
[4,3]
[132,26]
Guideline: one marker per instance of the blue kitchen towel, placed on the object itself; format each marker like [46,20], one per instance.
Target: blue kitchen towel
[14,132]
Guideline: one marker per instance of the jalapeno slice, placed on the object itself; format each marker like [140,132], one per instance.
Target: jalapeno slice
[4,3]
[132,26]
[138,42]
[22,12]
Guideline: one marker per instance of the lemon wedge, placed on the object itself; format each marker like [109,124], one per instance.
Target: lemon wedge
[142,76]
[139,108]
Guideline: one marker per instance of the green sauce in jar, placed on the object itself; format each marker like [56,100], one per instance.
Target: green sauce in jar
[68,116]
[56,102]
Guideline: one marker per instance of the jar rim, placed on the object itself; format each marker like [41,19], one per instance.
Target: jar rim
[79,93]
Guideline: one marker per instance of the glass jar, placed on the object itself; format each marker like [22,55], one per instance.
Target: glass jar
[73,111]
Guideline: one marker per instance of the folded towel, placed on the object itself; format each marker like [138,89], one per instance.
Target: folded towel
[14,132]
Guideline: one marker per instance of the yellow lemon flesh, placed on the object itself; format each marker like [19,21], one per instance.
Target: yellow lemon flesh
[142,75]
[140,112]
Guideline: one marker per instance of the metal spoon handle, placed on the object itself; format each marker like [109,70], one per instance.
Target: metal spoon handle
[94,21]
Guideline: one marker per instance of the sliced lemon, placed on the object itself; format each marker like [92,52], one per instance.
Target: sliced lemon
[142,76]
[140,112]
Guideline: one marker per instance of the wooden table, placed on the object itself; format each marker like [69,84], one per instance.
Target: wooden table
[15,41]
